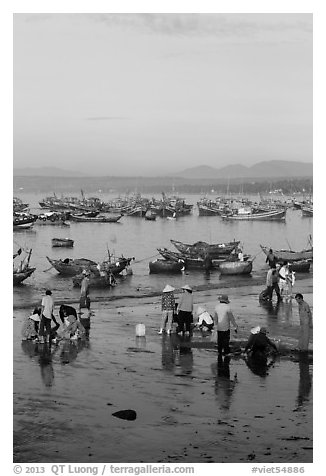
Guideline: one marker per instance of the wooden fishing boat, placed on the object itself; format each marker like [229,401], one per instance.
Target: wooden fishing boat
[103,275]
[289,255]
[71,267]
[62,242]
[190,262]
[24,270]
[52,218]
[247,214]
[150,215]
[97,219]
[200,248]
[209,210]
[236,267]
[166,266]
[300,266]
[96,280]
[19,277]
[307,211]
[22,221]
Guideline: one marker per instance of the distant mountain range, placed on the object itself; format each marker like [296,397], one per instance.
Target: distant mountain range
[46,172]
[269,169]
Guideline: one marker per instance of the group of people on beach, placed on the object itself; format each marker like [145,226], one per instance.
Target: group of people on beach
[38,326]
[177,317]
[279,279]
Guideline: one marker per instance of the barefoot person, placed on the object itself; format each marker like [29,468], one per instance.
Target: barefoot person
[305,322]
[84,293]
[167,306]
[223,317]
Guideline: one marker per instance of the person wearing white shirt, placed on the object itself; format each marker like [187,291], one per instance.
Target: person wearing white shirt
[47,308]
[223,318]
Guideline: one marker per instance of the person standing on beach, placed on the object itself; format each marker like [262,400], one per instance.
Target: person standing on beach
[272,283]
[223,317]
[185,310]
[167,306]
[305,322]
[47,308]
[271,259]
[84,300]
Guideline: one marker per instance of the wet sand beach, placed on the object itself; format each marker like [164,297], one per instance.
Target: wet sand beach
[190,407]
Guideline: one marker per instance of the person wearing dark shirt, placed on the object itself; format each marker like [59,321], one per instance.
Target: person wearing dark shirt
[271,259]
[259,344]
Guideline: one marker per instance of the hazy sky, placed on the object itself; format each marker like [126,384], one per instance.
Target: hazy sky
[147,94]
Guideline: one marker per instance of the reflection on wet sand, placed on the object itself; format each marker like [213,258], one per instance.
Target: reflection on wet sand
[67,350]
[305,380]
[176,353]
[260,364]
[224,385]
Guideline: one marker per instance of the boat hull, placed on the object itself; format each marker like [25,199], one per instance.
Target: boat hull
[18,278]
[72,267]
[275,215]
[235,267]
[165,266]
[98,219]
[290,256]
[201,248]
[62,243]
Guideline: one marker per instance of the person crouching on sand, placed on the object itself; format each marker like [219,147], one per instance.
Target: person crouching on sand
[205,321]
[167,306]
[31,325]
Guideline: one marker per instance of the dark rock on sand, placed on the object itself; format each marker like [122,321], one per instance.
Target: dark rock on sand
[126,414]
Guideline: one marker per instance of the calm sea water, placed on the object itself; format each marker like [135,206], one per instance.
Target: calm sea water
[139,238]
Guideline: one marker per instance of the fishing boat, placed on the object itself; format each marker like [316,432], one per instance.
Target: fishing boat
[307,211]
[248,214]
[71,267]
[289,255]
[23,221]
[300,266]
[23,271]
[150,215]
[201,248]
[166,266]
[96,280]
[101,275]
[52,218]
[190,262]
[97,219]
[236,267]
[19,277]
[62,242]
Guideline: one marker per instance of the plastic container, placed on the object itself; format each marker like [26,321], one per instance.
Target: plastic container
[140,330]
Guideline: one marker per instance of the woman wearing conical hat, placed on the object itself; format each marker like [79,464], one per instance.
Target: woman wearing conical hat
[168,306]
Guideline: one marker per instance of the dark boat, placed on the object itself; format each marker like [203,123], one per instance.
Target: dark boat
[23,221]
[201,248]
[236,267]
[71,267]
[190,262]
[24,270]
[52,218]
[150,215]
[289,255]
[62,242]
[307,211]
[19,277]
[166,266]
[300,266]
[97,219]
[101,275]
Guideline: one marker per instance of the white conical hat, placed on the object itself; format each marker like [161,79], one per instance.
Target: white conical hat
[200,310]
[255,330]
[186,286]
[168,289]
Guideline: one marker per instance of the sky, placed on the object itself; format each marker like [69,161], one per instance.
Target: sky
[148,94]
